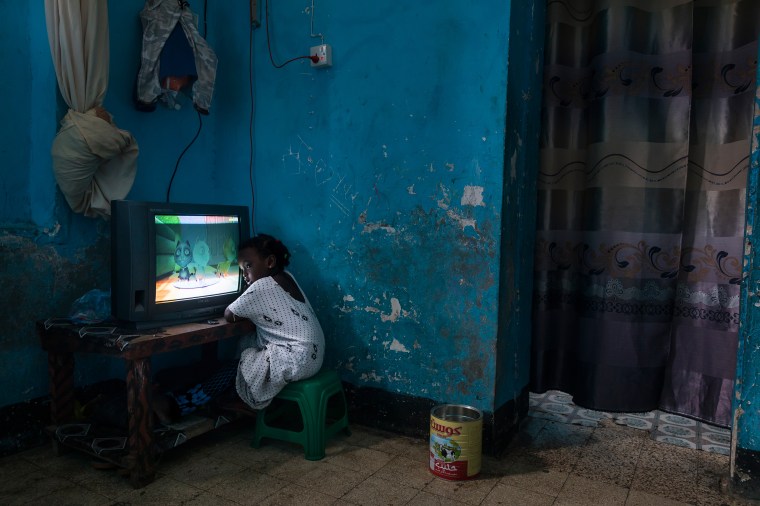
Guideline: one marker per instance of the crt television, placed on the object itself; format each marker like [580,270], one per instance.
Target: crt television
[173,262]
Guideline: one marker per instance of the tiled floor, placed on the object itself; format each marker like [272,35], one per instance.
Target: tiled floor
[663,427]
[549,463]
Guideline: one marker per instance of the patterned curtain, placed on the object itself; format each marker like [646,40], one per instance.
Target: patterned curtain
[647,116]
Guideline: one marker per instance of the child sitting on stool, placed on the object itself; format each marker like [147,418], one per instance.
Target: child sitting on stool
[289,343]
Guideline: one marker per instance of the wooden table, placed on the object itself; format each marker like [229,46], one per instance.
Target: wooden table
[62,339]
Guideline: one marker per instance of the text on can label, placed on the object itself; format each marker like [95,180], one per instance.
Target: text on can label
[449,431]
[445,466]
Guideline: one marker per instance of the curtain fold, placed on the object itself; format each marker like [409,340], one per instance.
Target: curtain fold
[94,162]
[644,155]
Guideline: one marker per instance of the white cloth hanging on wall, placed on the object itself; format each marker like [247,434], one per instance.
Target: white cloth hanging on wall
[94,161]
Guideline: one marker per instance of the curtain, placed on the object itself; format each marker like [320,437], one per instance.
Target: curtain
[94,162]
[644,156]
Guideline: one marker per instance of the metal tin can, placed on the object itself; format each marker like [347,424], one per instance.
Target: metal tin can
[456,436]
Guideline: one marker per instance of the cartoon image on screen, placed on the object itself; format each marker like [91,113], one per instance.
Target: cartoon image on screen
[196,256]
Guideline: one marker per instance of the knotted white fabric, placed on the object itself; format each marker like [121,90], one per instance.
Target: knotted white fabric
[94,161]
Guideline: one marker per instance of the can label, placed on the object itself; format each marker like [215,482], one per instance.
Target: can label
[455,448]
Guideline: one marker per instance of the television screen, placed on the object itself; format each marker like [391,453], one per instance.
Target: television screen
[196,256]
[174,262]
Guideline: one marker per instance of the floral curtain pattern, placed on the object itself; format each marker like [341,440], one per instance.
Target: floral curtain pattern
[641,192]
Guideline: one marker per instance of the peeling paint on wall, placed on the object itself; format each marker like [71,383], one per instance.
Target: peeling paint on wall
[472,196]
[54,280]
[395,311]
[371,376]
[46,282]
[371,227]
[746,434]
[444,203]
[397,346]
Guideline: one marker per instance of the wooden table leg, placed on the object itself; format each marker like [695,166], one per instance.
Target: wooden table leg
[142,458]
[61,370]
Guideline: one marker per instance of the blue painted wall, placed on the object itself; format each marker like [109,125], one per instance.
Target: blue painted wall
[385,174]
[524,89]
[747,399]
[49,257]
[393,176]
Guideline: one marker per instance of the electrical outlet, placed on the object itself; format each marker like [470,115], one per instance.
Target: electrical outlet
[255,17]
[324,54]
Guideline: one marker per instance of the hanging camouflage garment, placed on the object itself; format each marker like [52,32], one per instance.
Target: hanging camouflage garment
[159,18]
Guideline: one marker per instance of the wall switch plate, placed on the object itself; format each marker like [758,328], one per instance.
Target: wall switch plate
[324,53]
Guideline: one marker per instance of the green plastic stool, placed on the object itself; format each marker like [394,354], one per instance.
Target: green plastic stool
[321,416]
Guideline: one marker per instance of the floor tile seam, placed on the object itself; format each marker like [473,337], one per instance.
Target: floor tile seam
[56,474]
[392,456]
[494,482]
[281,477]
[83,484]
[392,485]
[636,465]
[627,496]
[155,483]
[374,474]
[32,462]
[40,499]
[532,491]
[204,488]
[608,481]
[606,438]
[344,494]
[672,469]
[256,466]
[639,452]
[12,480]
[413,498]
[196,493]
[283,483]
[527,489]
[413,501]
[595,480]
[262,499]
[721,473]
[671,488]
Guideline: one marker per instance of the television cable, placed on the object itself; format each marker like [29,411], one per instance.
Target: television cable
[200,118]
[179,158]
[251,127]
[314,58]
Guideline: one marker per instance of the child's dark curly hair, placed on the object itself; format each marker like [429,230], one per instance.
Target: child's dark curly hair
[267,245]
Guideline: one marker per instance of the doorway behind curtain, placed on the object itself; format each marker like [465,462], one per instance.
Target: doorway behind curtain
[645,147]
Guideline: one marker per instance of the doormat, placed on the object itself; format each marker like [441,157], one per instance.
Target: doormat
[663,427]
